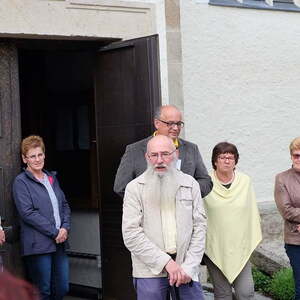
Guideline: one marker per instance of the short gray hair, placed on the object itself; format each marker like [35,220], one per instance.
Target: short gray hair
[158,110]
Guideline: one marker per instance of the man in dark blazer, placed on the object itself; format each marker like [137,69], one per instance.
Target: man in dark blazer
[168,122]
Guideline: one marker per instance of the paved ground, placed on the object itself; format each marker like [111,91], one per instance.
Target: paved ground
[207,287]
[207,296]
[210,296]
[74,298]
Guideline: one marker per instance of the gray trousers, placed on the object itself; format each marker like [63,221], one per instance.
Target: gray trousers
[243,285]
[157,289]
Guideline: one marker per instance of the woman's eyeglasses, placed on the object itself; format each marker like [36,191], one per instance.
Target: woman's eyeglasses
[35,157]
[296,156]
[230,158]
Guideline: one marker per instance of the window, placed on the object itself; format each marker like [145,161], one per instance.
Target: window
[284,5]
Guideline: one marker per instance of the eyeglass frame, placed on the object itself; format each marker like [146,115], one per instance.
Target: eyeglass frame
[36,156]
[226,158]
[160,154]
[295,155]
[171,124]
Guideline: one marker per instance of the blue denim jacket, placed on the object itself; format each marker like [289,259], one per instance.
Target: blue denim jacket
[38,231]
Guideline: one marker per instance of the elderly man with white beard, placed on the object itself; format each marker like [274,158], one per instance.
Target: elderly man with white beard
[164,226]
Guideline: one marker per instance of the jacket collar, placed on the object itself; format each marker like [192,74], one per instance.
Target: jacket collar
[30,175]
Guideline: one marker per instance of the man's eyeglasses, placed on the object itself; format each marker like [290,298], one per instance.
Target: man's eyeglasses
[230,158]
[164,155]
[34,157]
[296,156]
[179,124]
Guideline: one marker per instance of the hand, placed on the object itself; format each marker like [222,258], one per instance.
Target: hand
[62,236]
[2,237]
[176,274]
[298,227]
[185,277]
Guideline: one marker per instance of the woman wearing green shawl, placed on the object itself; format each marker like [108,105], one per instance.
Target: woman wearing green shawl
[233,226]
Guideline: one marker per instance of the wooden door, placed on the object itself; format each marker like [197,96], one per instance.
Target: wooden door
[127,90]
[10,135]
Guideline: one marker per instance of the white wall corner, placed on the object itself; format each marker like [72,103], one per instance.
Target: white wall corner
[201,1]
[297,3]
[269,2]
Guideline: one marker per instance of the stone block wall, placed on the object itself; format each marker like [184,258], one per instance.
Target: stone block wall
[270,255]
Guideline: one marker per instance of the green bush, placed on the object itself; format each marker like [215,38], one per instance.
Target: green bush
[261,281]
[282,285]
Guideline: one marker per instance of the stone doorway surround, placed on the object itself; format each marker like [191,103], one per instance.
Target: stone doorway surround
[10,132]
[86,18]
[174,52]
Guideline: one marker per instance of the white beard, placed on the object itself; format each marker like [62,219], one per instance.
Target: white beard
[161,188]
[161,184]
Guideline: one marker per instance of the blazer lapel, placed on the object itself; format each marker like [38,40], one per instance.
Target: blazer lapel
[182,150]
[141,163]
[144,146]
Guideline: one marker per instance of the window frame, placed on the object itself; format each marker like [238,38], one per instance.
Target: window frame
[281,5]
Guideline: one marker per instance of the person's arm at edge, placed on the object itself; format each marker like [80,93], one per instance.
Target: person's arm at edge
[2,236]
[125,172]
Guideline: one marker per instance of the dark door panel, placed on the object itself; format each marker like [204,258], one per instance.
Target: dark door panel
[126,93]
[10,135]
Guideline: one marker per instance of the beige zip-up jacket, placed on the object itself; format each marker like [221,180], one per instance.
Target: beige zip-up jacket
[142,232]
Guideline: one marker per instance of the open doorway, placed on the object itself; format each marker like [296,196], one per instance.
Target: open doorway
[57,103]
[88,100]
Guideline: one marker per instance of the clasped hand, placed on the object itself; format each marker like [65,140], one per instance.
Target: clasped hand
[62,236]
[176,274]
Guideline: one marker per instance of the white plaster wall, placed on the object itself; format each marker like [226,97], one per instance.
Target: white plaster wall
[241,78]
[88,18]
